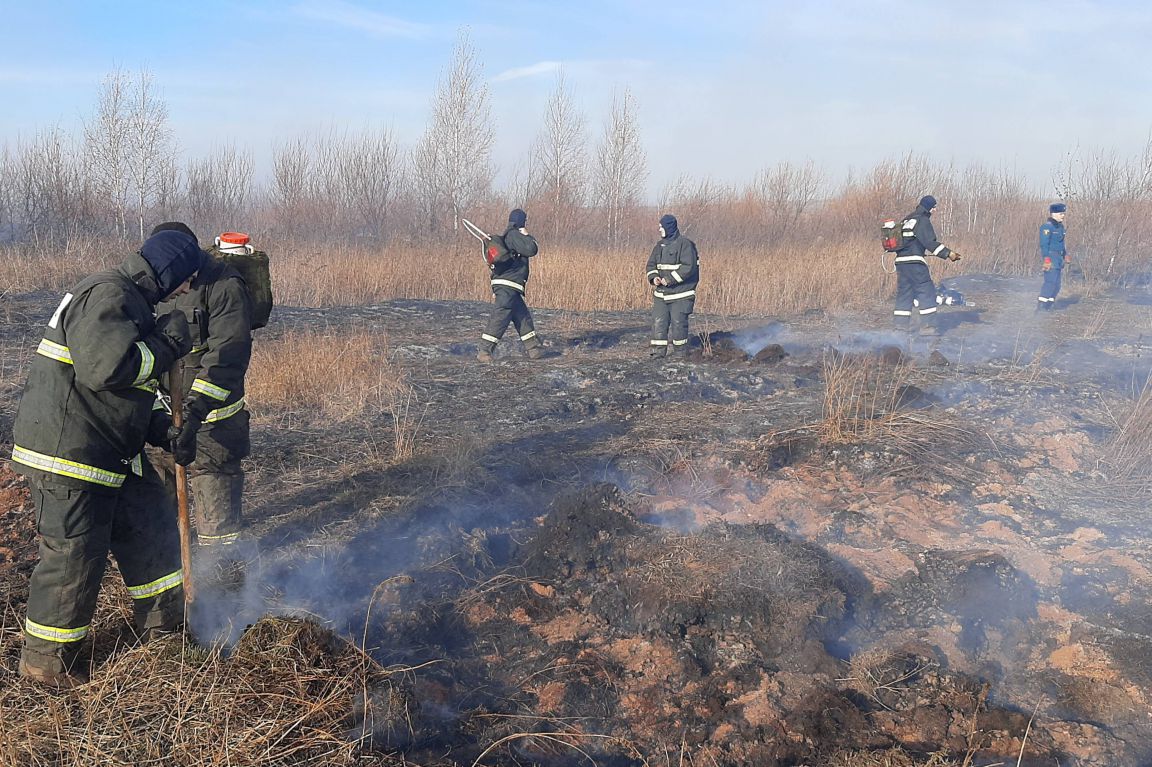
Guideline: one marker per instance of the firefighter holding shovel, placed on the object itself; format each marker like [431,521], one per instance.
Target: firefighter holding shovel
[86,412]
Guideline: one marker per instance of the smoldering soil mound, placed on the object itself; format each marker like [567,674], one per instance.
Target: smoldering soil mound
[780,582]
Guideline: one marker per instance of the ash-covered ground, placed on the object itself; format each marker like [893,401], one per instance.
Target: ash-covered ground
[813,538]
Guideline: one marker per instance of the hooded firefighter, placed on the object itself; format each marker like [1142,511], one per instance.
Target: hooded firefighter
[87,410]
[673,272]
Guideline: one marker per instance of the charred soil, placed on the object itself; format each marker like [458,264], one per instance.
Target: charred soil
[810,542]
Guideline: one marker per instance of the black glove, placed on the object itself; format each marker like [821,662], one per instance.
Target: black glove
[158,428]
[183,440]
[172,330]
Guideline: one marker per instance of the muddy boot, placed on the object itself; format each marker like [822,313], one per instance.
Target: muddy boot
[51,670]
[535,353]
[483,356]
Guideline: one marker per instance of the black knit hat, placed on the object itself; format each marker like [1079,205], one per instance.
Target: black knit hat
[174,257]
[517,218]
[175,226]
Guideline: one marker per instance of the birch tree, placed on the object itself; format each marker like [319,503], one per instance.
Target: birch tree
[620,171]
[149,144]
[453,158]
[559,175]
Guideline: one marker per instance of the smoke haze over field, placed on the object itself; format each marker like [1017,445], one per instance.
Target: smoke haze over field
[722,89]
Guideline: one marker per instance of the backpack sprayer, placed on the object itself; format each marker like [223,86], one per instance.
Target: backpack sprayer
[494,248]
[891,239]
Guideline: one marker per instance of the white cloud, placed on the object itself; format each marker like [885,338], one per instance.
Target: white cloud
[517,73]
[343,14]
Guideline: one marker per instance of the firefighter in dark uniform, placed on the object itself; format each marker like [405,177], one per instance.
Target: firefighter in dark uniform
[673,272]
[89,406]
[1054,255]
[509,280]
[215,434]
[914,286]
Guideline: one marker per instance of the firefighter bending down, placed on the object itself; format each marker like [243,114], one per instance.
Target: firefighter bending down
[215,433]
[914,286]
[509,280]
[88,407]
[673,272]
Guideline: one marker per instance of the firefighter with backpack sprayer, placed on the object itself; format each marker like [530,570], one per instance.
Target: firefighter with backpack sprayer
[215,434]
[509,280]
[914,286]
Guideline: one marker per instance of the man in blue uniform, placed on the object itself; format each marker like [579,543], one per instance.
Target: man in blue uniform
[1054,255]
[914,286]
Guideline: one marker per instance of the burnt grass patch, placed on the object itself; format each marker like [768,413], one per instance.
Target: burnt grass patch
[596,558]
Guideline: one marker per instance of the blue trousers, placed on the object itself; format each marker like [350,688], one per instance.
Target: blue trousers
[1051,287]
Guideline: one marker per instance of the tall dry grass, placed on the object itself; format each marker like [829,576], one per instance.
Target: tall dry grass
[742,280]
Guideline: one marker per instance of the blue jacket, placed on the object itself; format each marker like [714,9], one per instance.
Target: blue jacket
[1052,242]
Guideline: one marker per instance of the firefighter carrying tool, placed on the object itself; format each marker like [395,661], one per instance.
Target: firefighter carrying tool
[914,286]
[87,410]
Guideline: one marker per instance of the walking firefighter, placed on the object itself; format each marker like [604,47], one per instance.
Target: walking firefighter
[1053,254]
[215,434]
[914,286]
[673,271]
[507,257]
[87,410]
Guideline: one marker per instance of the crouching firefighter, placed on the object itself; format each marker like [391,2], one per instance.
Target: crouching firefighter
[914,286]
[673,272]
[214,436]
[87,410]
[509,281]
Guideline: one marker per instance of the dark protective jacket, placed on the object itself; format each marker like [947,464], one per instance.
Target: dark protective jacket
[219,311]
[918,239]
[1052,242]
[513,271]
[675,259]
[91,390]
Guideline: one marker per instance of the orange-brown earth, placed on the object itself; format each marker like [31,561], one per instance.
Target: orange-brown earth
[598,556]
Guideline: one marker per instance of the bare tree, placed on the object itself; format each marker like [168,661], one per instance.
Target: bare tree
[787,191]
[149,144]
[454,156]
[371,169]
[218,189]
[109,149]
[621,169]
[560,177]
[291,185]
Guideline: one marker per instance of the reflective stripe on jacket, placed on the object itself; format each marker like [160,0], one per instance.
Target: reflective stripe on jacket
[85,410]
[676,260]
[219,310]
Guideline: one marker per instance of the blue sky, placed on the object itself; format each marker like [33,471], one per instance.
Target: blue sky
[723,88]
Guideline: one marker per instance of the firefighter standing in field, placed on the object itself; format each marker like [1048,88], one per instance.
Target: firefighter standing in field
[914,286]
[88,407]
[215,434]
[673,271]
[1054,255]
[509,280]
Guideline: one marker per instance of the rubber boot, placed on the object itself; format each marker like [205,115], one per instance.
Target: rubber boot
[51,670]
[535,352]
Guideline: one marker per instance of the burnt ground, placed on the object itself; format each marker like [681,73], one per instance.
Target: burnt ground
[596,556]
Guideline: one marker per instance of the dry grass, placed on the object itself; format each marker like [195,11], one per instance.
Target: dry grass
[735,280]
[1126,464]
[333,375]
[863,395]
[290,693]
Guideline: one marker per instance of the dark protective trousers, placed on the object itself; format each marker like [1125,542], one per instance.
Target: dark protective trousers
[510,308]
[914,291]
[670,325]
[1050,287]
[217,479]
[78,529]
